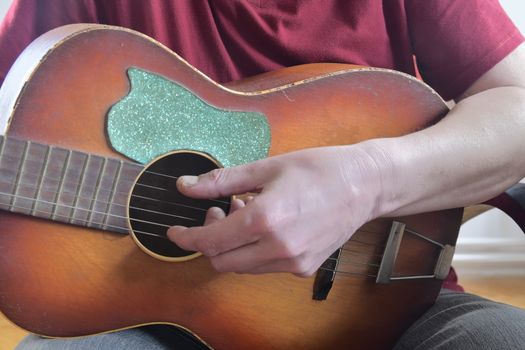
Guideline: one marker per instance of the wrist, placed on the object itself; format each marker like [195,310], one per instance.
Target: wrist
[380,157]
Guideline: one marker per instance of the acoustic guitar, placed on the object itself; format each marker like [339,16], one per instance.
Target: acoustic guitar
[98,124]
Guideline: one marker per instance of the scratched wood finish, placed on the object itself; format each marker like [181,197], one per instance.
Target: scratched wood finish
[61,280]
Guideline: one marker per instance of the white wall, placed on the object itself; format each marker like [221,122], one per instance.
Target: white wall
[4,5]
[516,11]
[492,243]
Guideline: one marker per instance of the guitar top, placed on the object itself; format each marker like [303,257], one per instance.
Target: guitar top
[98,123]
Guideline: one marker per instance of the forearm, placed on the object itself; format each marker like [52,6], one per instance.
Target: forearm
[473,154]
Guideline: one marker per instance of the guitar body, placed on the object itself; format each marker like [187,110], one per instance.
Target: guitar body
[60,280]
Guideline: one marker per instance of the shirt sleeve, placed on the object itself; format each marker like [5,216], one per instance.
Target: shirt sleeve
[28,19]
[456,42]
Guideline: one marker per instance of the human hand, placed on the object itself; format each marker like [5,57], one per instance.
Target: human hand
[310,202]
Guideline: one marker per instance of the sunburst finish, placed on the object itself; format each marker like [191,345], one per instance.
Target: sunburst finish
[60,280]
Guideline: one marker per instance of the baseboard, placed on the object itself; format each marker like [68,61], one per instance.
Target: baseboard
[489,257]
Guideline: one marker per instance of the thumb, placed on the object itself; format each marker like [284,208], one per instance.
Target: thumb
[223,182]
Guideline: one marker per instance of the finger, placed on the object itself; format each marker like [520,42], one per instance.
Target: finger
[213,214]
[221,236]
[246,197]
[254,260]
[299,266]
[242,260]
[258,258]
[236,204]
[224,182]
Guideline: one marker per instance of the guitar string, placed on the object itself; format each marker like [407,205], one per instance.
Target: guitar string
[99,189]
[83,221]
[98,201]
[362,254]
[367,243]
[166,189]
[348,273]
[353,240]
[48,179]
[100,224]
[342,260]
[349,261]
[144,185]
[351,254]
[139,167]
[37,201]
[163,201]
[351,251]
[126,194]
[374,258]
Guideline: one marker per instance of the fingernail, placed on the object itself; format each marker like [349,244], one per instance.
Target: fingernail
[188,181]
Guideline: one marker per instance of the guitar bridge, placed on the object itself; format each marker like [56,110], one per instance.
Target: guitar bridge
[386,268]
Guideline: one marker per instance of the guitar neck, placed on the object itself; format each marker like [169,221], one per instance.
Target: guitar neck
[65,185]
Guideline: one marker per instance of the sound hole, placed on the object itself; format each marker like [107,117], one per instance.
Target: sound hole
[156,204]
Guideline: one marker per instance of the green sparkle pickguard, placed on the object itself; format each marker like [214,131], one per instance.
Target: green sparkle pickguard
[159,116]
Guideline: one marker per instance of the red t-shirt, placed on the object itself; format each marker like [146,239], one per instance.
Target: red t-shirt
[454,42]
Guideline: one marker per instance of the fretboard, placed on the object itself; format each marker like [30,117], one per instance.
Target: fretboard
[65,185]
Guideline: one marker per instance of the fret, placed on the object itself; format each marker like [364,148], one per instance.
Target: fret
[54,214]
[41,180]
[28,180]
[68,193]
[111,196]
[14,200]
[4,197]
[51,182]
[119,203]
[89,219]
[87,190]
[2,142]
[77,191]
[103,194]
[10,162]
